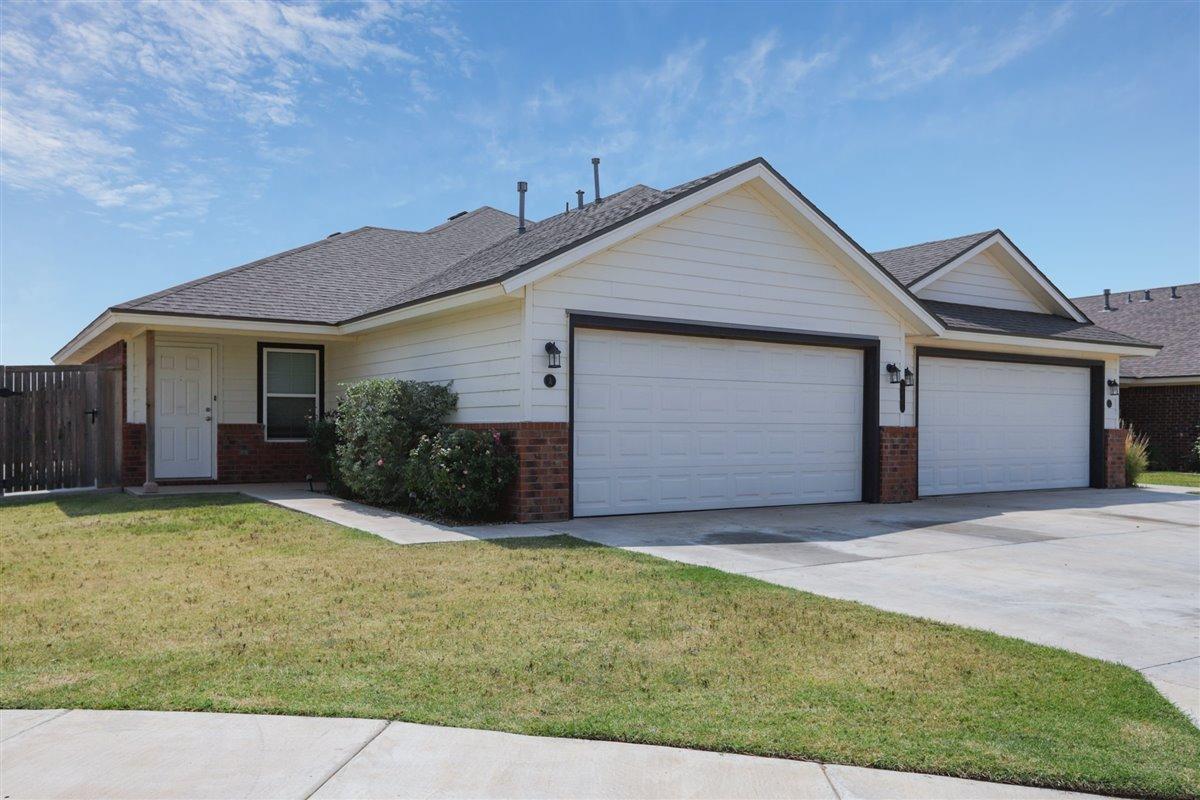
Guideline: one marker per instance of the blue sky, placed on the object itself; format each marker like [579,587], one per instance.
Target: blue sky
[144,145]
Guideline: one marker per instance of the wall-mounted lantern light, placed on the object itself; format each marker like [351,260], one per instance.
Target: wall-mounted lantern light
[904,378]
[554,355]
[1114,388]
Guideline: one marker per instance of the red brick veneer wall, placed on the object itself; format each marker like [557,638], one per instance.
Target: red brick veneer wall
[133,454]
[897,464]
[1114,458]
[1169,416]
[541,491]
[245,456]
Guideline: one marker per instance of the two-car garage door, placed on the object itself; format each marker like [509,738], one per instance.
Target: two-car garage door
[989,426]
[670,423]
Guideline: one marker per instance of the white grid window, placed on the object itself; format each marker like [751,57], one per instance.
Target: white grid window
[290,391]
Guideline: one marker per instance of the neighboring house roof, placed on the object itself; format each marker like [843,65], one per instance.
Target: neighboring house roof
[910,264]
[1175,324]
[980,319]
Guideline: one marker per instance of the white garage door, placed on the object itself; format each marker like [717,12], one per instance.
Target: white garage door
[990,426]
[674,423]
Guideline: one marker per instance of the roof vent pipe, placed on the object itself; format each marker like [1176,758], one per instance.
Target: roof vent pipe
[1107,297]
[522,187]
[579,198]
[596,177]
[1147,298]
[1174,294]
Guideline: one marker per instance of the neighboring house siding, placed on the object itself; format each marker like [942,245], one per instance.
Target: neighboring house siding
[980,281]
[732,260]
[478,351]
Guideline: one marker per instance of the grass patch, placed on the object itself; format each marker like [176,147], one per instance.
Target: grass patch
[219,603]
[1171,478]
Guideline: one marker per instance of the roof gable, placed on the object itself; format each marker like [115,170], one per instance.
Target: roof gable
[981,280]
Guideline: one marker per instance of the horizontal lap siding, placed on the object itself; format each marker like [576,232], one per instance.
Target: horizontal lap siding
[980,282]
[732,260]
[479,351]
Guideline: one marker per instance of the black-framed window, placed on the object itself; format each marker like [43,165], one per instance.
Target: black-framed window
[289,388]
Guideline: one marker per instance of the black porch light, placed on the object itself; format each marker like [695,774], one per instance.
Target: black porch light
[1114,387]
[893,373]
[554,355]
[910,377]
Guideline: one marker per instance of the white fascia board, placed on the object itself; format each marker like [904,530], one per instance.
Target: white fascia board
[952,337]
[1048,290]
[917,313]
[111,318]
[481,294]
[97,327]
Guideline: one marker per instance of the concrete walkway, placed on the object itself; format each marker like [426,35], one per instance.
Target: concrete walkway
[154,754]
[390,525]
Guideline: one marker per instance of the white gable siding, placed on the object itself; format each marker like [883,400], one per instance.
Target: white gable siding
[980,281]
[478,350]
[732,260]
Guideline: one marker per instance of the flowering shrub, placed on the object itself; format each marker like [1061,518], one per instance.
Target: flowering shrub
[322,441]
[459,474]
[379,422]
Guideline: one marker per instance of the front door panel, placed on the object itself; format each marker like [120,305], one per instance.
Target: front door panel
[183,413]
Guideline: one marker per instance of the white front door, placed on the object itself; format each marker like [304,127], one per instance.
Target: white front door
[183,413]
[989,426]
[677,423]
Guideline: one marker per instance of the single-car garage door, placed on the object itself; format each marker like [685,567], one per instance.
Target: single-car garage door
[987,426]
[674,423]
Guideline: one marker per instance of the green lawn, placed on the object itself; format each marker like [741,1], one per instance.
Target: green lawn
[1171,478]
[220,603]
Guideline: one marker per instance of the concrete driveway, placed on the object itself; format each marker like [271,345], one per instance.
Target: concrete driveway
[1113,574]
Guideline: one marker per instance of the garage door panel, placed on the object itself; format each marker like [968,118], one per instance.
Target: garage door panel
[705,423]
[1002,427]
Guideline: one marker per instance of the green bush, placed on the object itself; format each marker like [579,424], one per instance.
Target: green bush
[460,474]
[322,442]
[1137,457]
[379,422]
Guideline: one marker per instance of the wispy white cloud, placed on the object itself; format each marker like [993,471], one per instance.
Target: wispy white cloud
[92,92]
[919,55]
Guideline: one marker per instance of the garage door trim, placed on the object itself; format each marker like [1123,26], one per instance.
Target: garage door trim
[1095,398]
[869,346]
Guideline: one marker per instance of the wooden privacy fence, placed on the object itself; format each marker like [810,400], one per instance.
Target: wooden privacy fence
[60,427]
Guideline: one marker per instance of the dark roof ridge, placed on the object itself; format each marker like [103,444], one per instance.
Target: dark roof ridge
[977,236]
[1118,292]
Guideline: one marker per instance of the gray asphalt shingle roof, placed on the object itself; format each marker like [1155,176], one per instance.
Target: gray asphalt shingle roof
[983,319]
[910,264]
[371,270]
[1175,324]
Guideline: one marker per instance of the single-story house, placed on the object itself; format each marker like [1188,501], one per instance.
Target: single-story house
[722,343]
[1160,394]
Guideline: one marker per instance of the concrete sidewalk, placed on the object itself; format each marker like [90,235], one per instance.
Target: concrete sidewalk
[154,754]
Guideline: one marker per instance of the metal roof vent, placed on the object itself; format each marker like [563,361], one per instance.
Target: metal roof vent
[1107,299]
[1147,298]
[596,178]
[453,217]
[579,198]
[1174,293]
[522,187]
[335,233]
